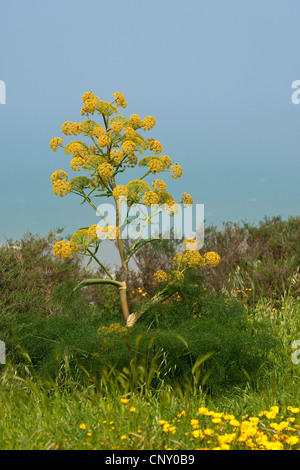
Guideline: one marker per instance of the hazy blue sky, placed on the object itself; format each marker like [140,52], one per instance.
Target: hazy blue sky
[215,74]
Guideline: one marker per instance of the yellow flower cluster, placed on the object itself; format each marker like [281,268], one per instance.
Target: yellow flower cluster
[117,156]
[113,328]
[167,162]
[155,165]
[77,163]
[150,197]
[186,199]
[105,170]
[176,171]
[59,175]
[94,232]
[89,103]
[117,126]
[192,258]
[128,147]
[120,100]
[155,146]
[135,120]
[55,143]
[77,149]
[70,128]
[222,431]
[62,249]
[130,133]
[104,140]
[161,276]
[159,186]
[98,131]
[120,191]
[212,258]
[61,187]
[148,122]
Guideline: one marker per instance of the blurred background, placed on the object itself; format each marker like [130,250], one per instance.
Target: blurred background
[217,76]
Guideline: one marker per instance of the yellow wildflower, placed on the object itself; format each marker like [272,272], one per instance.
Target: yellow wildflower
[55,143]
[176,171]
[105,170]
[120,100]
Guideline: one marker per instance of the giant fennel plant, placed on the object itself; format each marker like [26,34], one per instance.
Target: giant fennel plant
[113,148]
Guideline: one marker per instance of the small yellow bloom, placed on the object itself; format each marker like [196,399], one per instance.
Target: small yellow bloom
[124,401]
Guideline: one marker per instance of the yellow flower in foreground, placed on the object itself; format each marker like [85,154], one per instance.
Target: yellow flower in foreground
[212,258]
[123,437]
[82,426]
[124,401]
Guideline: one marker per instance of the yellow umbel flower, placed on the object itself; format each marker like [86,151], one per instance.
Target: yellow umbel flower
[76,128]
[120,100]
[89,103]
[61,187]
[77,149]
[148,122]
[167,162]
[212,258]
[155,165]
[105,170]
[155,146]
[159,186]
[135,120]
[95,232]
[117,156]
[104,140]
[177,259]
[192,258]
[130,133]
[176,171]
[186,199]
[120,191]
[128,147]
[59,175]
[117,126]
[98,131]
[150,197]
[160,276]
[89,96]
[66,128]
[77,163]
[62,249]
[55,143]
[177,277]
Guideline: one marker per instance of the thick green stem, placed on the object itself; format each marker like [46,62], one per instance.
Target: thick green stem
[160,297]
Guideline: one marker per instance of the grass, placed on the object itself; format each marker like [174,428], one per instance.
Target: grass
[113,414]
